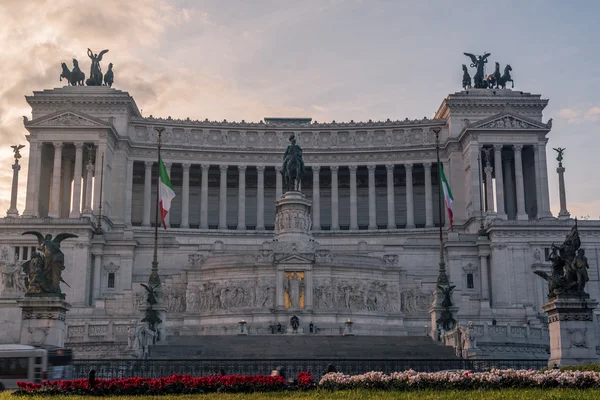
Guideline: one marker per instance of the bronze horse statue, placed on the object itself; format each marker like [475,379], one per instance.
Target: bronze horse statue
[466,83]
[494,79]
[505,78]
[75,77]
[109,77]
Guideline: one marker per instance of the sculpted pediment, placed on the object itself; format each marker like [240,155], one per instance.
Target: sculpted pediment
[508,121]
[68,119]
[296,259]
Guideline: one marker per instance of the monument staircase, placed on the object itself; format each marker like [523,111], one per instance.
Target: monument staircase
[297,347]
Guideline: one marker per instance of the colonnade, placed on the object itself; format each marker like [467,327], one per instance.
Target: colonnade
[259,224]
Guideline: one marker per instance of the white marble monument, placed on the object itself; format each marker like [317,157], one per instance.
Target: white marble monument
[372,252]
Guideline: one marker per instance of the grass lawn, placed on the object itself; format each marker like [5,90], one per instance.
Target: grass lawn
[553,394]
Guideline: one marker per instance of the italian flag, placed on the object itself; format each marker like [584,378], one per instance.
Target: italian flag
[165,191]
[449,199]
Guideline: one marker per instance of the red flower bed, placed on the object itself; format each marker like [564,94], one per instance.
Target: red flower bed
[176,384]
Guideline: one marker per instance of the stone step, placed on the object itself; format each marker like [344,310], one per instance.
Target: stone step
[301,347]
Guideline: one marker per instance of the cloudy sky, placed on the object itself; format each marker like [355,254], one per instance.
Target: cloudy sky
[325,59]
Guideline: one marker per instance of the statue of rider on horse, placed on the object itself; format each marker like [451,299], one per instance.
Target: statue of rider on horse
[293,165]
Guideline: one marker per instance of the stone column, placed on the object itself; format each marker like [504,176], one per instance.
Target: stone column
[391,208]
[33,180]
[56,172]
[489,189]
[12,211]
[509,186]
[241,226]
[147,193]
[260,198]
[316,206]
[485,291]
[97,275]
[278,183]
[543,180]
[335,216]
[168,166]
[353,204]
[128,191]
[223,197]
[562,193]
[501,214]
[204,197]
[372,198]
[98,173]
[410,206]
[428,196]
[185,196]
[89,169]
[76,210]
[279,288]
[521,212]
[65,187]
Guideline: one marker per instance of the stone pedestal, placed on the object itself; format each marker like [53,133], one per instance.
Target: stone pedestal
[572,332]
[12,211]
[293,224]
[43,320]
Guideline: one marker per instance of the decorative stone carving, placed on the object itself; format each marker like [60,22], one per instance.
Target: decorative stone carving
[390,259]
[174,299]
[11,278]
[195,260]
[324,256]
[416,300]
[363,295]
[230,295]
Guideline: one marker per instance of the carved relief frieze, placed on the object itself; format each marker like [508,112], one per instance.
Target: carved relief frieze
[416,300]
[230,295]
[363,295]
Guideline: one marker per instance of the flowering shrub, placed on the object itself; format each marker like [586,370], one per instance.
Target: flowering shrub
[305,379]
[176,384]
[494,379]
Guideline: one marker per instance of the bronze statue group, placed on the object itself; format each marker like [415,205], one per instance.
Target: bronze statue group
[76,77]
[495,80]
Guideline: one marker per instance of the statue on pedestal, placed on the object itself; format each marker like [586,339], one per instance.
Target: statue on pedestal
[45,268]
[293,165]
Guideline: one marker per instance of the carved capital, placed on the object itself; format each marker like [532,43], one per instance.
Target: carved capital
[168,165]
[79,146]
[371,168]
[260,169]
[186,167]
[353,168]
[536,149]
[316,169]
[498,148]
[223,168]
[205,167]
[40,146]
[148,164]
[427,166]
[334,169]
[58,145]
[517,148]
[389,167]
[242,168]
[408,167]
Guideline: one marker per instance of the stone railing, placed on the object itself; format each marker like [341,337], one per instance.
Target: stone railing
[498,341]
[98,332]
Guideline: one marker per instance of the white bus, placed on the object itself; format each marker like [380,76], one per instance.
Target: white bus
[20,362]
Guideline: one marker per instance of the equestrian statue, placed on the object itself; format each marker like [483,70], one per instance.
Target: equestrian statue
[293,165]
[76,77]
[496,80]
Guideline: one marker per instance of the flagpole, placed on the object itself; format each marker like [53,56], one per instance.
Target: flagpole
[442,277]
[154,278]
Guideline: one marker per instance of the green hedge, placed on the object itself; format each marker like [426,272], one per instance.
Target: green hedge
[584,367]
[506,394]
